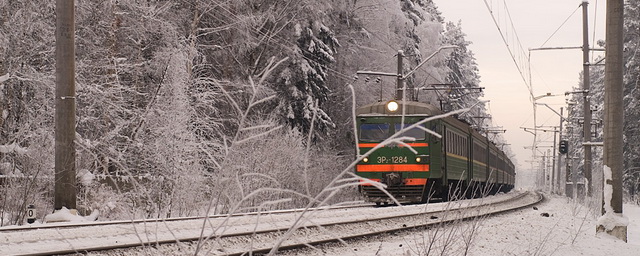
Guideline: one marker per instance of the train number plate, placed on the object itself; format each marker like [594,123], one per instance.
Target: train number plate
[392,160]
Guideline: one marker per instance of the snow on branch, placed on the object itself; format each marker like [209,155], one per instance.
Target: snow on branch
[12,148]
[270,67]
[4,77]
[255,127]
[259,135]
[211,157]
[261,101]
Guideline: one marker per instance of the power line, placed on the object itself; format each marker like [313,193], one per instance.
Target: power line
[382,40]
[565,21]
[522,67]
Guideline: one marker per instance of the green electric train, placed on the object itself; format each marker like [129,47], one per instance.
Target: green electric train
[459,163]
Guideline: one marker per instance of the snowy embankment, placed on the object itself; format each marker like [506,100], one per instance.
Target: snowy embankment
[569,229]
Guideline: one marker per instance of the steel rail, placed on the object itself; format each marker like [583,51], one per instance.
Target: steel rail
[216,238]
[439,221]
[57,225]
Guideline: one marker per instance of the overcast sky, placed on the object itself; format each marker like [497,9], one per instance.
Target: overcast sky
[553,72]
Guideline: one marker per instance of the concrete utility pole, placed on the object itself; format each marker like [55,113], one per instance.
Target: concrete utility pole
[65,115]
[614,117]
[559,170]
[554,171]
[587,101]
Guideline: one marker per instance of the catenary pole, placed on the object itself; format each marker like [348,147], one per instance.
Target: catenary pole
[554,171]
[613,119]
[400,80]
[587,101]
[559,171]
[65,113]
[586,132]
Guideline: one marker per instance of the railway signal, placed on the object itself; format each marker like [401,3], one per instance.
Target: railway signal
[563,147]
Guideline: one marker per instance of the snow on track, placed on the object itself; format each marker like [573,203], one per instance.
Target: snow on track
[79,239]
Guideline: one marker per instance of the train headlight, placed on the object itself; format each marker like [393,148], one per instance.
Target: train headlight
[366,159]
[422,159]
[392,106]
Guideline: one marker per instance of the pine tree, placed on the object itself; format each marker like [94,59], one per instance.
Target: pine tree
[463,69]
[631,57]
[304,79]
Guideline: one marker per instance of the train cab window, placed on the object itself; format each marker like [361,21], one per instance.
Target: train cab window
[374,132]
[416,132]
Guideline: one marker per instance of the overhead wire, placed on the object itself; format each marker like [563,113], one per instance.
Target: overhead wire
[383,41]
[524,68]
[539,76]
[558,29]
[521,70]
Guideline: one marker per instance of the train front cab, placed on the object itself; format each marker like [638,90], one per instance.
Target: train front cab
[403,171]
[405,168]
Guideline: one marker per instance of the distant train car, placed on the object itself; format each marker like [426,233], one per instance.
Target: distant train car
[462,163]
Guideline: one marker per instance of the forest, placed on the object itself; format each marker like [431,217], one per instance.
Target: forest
[187,107]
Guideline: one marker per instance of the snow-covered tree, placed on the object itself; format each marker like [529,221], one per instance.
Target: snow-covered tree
[303,80]
[26,107]
[181,93]
[631,55]
[463,75]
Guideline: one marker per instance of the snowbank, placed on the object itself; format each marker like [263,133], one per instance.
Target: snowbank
[66,215]
[610,219]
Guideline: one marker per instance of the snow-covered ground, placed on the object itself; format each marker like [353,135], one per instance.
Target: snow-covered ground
[569,230]
[557,226]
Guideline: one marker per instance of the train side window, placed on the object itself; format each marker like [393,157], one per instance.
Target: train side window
[456,146]
[452,142]
[374,132]
[464,146]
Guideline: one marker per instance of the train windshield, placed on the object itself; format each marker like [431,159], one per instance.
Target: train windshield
[416,132]
[374,132]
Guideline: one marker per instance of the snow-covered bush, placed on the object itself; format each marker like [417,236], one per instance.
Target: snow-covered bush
[279,166]
[29,180]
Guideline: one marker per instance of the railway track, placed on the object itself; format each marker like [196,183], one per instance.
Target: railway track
[259,233]
[59,225]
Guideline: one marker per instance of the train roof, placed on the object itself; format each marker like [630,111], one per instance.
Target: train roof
[411,108]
